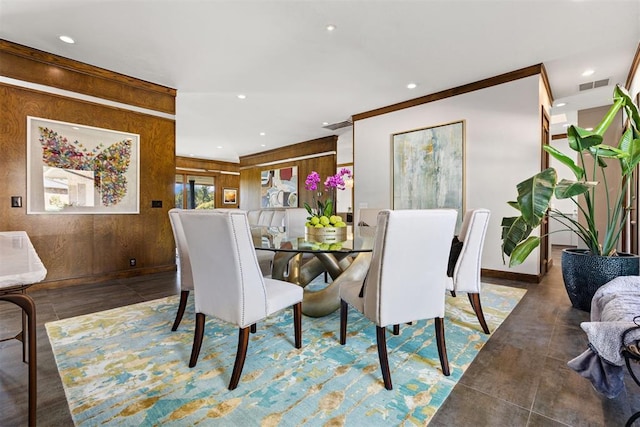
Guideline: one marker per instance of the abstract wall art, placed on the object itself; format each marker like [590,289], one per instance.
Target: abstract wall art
[78,169]
[428,168]
[279,187]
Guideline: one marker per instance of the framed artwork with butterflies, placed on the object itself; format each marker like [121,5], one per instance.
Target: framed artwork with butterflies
[78,169]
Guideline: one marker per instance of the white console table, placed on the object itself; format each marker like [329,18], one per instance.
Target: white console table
[21,267]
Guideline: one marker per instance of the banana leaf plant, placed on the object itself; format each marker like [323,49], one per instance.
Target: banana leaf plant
[535,194]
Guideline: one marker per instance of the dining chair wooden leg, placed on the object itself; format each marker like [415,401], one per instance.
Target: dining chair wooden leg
[442,345]
[453,293]
[297,323]
[382,355]
[474,299]
[344,308]
[254,328]
[184,295]
[197,339]
[396,329]
[241,354]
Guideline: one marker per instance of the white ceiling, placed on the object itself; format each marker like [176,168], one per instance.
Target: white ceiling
[296,75]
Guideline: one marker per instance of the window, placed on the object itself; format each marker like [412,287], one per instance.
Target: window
[195,192]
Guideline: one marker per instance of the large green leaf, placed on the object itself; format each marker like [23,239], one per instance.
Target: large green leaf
[534,196]
[629,105]
[567,189]
[565,160]
[607,152]
[581,139]
[514,230]
[632,148]
[522,251]
[514,205]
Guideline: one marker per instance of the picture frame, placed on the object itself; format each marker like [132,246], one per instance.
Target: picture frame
[230,196]
[428,168]
[79,169]
[279,187]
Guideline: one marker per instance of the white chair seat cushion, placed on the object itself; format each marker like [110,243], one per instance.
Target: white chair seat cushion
[349,292]
[281,294]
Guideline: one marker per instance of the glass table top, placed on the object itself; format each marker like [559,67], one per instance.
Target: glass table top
[358,239]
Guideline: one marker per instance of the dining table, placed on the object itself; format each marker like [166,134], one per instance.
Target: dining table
[20,267]
[300,258]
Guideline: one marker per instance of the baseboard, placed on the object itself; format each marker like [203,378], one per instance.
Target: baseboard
[85,280]
[529,278]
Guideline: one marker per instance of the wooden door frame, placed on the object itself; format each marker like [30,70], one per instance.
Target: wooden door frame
[546,262]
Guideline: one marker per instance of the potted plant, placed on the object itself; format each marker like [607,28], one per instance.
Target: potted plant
[535,197]
[322,220]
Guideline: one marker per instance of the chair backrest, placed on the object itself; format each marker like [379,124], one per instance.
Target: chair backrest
[294,220]
[266,217]
[368,216]
[227,280]
[466,274]
[407,275]
[186,278]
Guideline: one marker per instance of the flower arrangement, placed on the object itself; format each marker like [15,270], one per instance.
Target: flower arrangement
[321,215]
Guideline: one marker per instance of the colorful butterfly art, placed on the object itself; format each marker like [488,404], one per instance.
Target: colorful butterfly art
[109,165]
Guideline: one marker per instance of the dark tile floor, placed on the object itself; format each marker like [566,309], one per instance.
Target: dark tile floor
[520,377]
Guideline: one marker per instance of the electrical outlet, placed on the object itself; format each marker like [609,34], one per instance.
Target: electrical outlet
[16,201]
[156,203]
[132,262]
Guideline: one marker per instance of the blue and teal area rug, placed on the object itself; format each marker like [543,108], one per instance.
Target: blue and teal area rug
[125,367]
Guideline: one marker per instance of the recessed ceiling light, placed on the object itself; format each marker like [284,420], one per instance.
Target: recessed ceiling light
[325,123]
[263,145]
[561,104]
[331,27]
[262,134]
[241,96]
[191,155]
[587,73]
[219,147]
[67,39]
[412,86]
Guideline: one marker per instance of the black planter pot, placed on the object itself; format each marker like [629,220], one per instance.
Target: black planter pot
[584,273]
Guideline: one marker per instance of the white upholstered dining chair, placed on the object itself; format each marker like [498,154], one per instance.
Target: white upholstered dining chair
[184,265]
[228,283]
[406,277]
[368,216]
[466,273]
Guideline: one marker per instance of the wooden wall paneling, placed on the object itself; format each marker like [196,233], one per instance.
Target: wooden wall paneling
[307,148]
[28,64]
[251,187]
[223,181]
[291,155]
[90,246]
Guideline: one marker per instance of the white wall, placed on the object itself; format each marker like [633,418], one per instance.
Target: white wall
[502,148]
[559,237]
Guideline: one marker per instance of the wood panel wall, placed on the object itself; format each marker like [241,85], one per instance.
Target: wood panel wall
[292,155]
[78,249]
